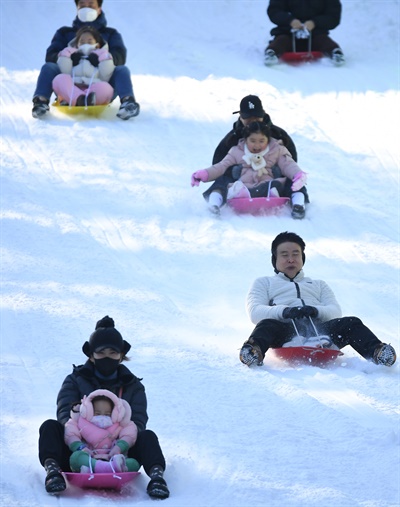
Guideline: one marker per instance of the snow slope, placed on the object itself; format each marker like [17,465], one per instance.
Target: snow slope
[98,217]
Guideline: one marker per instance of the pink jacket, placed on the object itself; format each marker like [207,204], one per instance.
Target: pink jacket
[276,155]
[100,440]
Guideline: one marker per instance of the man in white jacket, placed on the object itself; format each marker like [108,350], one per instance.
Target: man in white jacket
[289,302]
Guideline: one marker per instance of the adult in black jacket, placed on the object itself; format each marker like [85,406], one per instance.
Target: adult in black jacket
[89,13]
[251,109]
[106,350]
[303,17]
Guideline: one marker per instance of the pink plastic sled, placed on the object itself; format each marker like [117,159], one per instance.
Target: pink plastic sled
[100,481]
[257,205]
[313,356]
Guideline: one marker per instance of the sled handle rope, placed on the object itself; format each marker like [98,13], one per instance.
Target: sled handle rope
[317,335]
[92,471]
[294,41]
[88,88]
[315,331]
[295,328]
[73,84]
[72,87]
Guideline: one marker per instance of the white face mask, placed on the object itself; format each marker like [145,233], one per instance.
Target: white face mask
[102,421]
[87,48]
[86,14]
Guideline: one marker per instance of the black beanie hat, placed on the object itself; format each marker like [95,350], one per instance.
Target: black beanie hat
[105,336]
[284,237]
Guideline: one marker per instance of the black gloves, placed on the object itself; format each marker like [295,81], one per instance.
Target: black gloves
[294,312]
[310,311]
[299,312]
[94,59]
[76,58]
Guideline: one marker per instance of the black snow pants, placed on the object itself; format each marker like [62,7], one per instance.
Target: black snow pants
[344,331]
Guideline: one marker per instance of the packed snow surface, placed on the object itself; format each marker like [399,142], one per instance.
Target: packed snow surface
[98,217]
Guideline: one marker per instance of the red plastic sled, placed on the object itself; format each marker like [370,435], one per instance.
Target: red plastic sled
[257,205]
[100,481]
[295,56]
[314,356]
[301,56]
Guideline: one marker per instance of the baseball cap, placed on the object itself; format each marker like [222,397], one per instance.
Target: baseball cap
[251,106]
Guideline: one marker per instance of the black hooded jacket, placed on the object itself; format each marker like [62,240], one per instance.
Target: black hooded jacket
[82,381]
[325,14]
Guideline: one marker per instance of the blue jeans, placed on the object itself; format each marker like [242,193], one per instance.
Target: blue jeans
[44,85]
[120,81]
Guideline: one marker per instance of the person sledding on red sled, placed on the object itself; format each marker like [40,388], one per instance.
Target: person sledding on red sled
[275,303]
[257,156]
[106,350]
[99,433]
[300,22]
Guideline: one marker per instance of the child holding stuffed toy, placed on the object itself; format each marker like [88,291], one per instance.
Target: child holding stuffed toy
[86,67]
[264,167]
[99,434]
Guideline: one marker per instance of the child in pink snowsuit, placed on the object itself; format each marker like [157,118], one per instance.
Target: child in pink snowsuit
[100,433]
[86,67]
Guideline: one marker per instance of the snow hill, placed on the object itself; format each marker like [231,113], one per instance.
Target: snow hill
[98,217]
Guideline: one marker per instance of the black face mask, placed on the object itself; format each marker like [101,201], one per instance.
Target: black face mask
[106,366]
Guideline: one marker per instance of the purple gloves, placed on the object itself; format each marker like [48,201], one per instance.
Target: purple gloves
[198,176]
[299,180]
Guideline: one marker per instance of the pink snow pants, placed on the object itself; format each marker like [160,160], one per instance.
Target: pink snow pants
[64,87]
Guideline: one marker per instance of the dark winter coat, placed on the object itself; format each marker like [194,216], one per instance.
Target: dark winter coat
[82,381]
[325,14]
[232,138]
[65,34]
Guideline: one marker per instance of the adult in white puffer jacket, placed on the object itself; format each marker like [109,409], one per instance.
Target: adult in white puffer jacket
[289,302]
[86,66]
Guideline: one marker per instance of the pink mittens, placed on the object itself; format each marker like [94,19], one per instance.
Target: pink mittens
[299,180]
[198,176]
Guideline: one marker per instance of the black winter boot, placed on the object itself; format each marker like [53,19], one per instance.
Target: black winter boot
[157,487]
[55,482]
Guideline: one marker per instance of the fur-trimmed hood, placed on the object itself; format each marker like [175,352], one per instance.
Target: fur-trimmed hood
[80,428]
[121,412]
